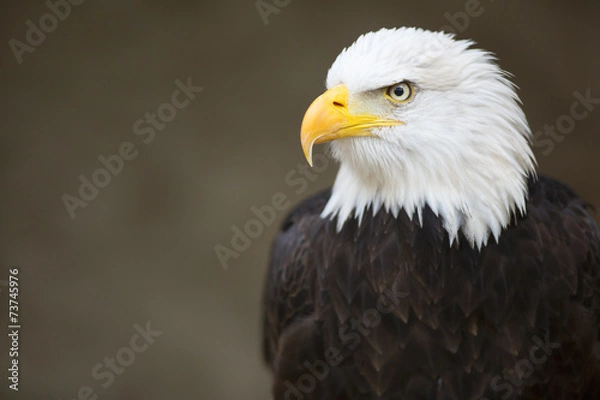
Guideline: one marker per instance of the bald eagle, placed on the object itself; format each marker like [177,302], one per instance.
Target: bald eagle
[439,265]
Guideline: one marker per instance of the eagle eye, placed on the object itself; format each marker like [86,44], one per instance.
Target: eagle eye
[401,92]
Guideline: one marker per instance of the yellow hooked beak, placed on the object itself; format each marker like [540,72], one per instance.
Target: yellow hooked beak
[328,118]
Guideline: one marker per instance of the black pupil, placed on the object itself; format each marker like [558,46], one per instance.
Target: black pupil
[399,91]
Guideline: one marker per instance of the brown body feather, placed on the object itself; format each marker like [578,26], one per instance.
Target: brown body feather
[389,310]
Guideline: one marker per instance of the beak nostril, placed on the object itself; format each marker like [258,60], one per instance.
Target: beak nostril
[338,104]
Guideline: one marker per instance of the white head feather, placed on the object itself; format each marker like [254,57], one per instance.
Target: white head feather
[463,150]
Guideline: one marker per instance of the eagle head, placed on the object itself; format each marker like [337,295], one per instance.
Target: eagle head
[419,119]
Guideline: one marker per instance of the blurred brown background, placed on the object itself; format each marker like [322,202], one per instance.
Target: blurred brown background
[143,249]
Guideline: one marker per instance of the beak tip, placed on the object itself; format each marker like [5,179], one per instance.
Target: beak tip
[307,147]
[308,156]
